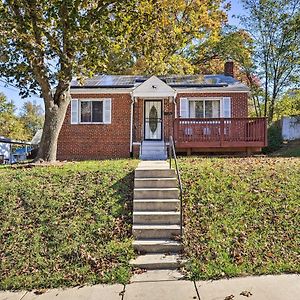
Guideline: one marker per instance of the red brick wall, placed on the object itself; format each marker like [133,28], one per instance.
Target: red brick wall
[97,141]
[239,109]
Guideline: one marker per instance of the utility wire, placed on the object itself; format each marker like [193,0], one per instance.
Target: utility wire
[17,89]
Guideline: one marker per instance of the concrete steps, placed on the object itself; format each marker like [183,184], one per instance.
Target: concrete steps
[157,262]
[157,246]
[156,216]
[155,193]
[156,205]
[156,231]
[153,150]
[155,182]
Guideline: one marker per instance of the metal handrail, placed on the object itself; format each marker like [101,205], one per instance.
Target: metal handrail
[172,151]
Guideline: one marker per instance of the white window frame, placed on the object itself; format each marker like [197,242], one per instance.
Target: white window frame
[90,100]
[220,99]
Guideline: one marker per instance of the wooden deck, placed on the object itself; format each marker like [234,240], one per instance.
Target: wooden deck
[218,133]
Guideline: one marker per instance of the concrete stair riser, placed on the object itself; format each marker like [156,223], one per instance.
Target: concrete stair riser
[150,232]
[153,151]
[156,205]
[155,183]
[149,158]
[151,173]
[157,262]
[152,218]
[157,246]
[163,193]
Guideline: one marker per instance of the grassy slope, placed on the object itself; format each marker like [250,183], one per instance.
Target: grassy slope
[243,216]
[65,226]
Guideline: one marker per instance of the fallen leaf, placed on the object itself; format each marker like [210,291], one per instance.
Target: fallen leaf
[230,297]
[246,293]
[40,292]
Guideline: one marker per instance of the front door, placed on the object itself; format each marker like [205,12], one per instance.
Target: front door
[153,120]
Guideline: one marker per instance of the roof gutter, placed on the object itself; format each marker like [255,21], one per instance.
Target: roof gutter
[15,142]
[196,85]
[108,86]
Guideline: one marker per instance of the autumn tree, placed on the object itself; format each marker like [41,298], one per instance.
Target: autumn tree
[161,31]
[32,116]
[10,125]
[288,105]
[274,26]
[46,43]
[234,44]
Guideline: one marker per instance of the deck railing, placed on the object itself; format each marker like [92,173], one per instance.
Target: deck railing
[220,132]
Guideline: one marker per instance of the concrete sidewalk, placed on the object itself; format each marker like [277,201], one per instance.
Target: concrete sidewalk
[168,285]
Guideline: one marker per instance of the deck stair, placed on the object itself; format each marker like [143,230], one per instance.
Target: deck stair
[156,216]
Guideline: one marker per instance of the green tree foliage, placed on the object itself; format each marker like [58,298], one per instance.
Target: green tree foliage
[288,105]
[32,115]
[275,28]
[161,31]
[10,125]
[45,43]
[236,45]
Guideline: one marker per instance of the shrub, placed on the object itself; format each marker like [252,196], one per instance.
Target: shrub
[274,138]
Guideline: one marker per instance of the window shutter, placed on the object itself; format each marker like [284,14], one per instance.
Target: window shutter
[184,108]
[107,111]
[74,111]
[226,107]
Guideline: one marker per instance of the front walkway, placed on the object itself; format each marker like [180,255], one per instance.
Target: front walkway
[167,285]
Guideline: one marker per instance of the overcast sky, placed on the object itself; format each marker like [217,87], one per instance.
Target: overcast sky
[12,93]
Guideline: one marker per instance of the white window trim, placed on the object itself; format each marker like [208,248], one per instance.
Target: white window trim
[220,99]
[86,100]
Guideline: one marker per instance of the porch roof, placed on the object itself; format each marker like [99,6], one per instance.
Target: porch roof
[154,87]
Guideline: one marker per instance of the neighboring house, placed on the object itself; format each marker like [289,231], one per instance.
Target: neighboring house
[37,138]
[119,116]
[290,128]
[5,151]
[21,154]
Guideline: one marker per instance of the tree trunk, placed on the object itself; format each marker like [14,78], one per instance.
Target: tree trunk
[271,110]
[54,118]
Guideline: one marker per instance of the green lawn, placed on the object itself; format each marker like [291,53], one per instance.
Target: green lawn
[242,216]
[71,225]
[67,225]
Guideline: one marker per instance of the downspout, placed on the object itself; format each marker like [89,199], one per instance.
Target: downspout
[175,105]
[131,122]
[175,113]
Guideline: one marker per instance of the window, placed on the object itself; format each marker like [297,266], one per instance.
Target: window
[204,109]
[91,111]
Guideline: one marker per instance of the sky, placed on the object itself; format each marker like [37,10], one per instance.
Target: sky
[12,92]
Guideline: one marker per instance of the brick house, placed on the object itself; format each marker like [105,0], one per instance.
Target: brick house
[123,116]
